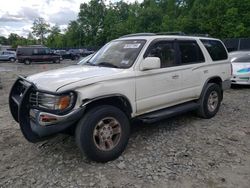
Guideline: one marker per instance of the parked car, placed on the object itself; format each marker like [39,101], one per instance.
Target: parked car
[7,56]
[86,52]
[84,60]
[241,67]
[146,77]
[74,51]
[36,53]
[67,55]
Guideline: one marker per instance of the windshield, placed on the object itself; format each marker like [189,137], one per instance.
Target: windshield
[117,54]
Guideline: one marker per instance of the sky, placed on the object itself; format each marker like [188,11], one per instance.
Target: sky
[17,16]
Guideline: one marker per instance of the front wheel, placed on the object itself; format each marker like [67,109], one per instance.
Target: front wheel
[210,101]
[103,133]
[57,61]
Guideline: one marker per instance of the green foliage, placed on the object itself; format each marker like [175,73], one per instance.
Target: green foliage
[40,28]
[99,23]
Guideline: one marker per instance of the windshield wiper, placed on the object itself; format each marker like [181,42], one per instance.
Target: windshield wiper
[107,64]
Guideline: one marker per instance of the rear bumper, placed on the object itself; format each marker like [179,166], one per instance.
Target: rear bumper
[32,124]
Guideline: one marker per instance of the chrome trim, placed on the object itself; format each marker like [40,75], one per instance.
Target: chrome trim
[60,118]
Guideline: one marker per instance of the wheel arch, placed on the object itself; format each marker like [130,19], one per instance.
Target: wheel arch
[213,79]
[118,100]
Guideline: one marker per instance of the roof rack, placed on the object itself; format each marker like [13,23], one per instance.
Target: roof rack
[199,35]
[138,34]
[180,33]
[171,33]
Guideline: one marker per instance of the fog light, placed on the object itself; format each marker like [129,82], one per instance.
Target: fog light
[47,118]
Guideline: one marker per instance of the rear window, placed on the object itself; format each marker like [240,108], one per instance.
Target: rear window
[215,49]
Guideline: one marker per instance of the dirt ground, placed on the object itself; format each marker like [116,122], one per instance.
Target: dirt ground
[185,151]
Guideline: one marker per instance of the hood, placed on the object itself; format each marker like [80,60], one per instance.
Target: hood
[241,68]
[54,79]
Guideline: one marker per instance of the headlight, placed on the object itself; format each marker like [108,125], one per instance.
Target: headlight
[52,102]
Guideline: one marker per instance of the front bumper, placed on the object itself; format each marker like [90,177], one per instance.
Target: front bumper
[32,122]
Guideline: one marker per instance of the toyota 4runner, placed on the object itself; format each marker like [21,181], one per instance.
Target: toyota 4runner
[147,77]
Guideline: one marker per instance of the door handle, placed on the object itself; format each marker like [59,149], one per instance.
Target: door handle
[175,76]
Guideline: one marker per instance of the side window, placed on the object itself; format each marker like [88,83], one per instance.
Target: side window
[41,51]
[215,49]
[35,51]
[190,52]
[47,51]
[165,51]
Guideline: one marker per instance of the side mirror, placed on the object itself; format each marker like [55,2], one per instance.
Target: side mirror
[150,63]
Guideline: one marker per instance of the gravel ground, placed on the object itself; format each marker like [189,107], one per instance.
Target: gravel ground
[185,151]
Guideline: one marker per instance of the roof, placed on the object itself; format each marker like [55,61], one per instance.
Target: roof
[149,36]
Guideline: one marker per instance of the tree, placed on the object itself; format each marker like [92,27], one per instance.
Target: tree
[3,40]
[54,39]
[72,34]
[31,39]
[91,19]
[40,28]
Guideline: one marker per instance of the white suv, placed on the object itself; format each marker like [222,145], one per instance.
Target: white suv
[147,77]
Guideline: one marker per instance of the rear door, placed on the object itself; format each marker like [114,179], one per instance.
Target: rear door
[192,61]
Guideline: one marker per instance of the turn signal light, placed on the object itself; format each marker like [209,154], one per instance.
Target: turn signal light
[64,102]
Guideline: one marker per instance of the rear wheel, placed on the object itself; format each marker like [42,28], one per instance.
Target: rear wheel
[103,133]
[12,59]
[210,101]
[27,62]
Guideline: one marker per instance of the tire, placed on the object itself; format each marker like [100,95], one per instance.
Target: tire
[95,126]
[12,59]
[57,61]
[27,62]
[210,101]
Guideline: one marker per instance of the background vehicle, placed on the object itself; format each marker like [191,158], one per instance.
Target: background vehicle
[7,56]
[241,67]
[36,53]
[85,59]
[147,77]
[86,52]
[67,54]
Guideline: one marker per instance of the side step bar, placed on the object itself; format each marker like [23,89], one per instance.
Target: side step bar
[168,112]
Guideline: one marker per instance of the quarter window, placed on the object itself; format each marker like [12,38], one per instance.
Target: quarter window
[165,51]
[215,49]
[190,52]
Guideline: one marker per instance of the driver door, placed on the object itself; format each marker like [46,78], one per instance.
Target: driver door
[159,88]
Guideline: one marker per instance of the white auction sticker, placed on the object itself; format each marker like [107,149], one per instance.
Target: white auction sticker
[136,45]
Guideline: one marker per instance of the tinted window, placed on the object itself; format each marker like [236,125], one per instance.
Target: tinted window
[165,51]
[190,52]
[215,49]
[47,51]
